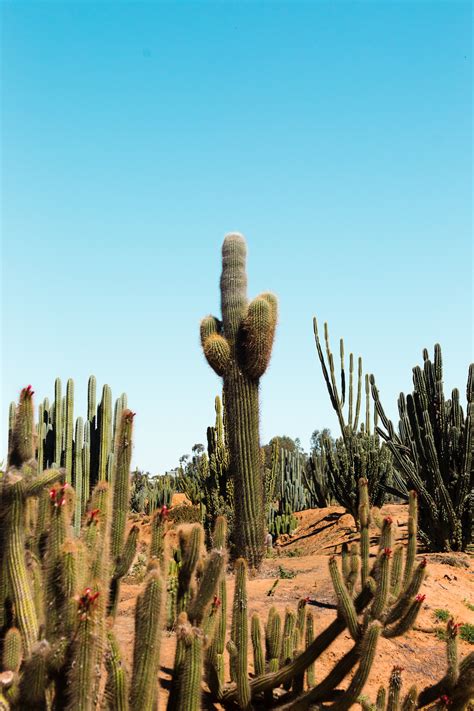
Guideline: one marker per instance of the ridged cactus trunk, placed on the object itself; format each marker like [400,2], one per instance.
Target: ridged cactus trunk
[238,348]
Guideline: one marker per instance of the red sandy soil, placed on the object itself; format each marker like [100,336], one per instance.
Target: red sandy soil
[449,585]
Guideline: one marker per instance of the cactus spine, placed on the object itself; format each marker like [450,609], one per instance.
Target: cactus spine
[239,349]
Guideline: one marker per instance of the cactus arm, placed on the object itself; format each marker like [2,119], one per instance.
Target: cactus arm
[116,690]
[258,657]
[207,587]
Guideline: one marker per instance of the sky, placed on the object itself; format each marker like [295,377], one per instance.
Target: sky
[336,136]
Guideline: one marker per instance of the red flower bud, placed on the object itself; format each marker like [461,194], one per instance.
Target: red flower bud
[420,597]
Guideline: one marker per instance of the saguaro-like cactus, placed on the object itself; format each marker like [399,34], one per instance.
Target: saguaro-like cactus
[238,348]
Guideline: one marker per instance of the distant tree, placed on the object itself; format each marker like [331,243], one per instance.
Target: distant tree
[198,449]
[285,442]
[317,438]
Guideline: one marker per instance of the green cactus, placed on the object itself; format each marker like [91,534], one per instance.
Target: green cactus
[21,449]
[189,682]
[215,654]
[239,634]
[12,650]
[432,452]
[78,474]
[210,577]
[239,349]
[117,685]
[310,671]
[122,553]
[258,655]
[104,426]
[69,430]
[146,653]
[358,453]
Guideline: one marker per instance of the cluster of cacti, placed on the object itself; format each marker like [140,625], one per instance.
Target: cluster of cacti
[206,479]
[316,478]
[58,590]
[454,691]
[385,603]
[281,523]
[59,597]
[287,488]
[238,348]
[83,447]
[148,494]
[357,452]
[218,485]
[433,452]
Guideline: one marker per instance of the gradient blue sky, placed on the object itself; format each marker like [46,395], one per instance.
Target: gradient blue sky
[335,136]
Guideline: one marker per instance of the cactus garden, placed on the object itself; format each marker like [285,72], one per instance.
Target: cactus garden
[237,377]
[251,576]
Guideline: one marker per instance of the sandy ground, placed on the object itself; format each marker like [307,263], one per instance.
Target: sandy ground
[449,585]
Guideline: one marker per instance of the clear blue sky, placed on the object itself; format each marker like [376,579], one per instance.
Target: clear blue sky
[335,136]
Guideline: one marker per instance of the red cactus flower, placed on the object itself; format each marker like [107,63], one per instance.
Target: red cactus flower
[164,511]
[93,516]
[86,602]
[420,597]
[306,599]
[445,699]
[453,627]
[388,520]
[387,552]
[423,563]
[27,392]
[216,603]
[56,495]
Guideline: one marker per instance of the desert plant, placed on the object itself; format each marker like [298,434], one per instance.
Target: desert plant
[454,691]
[57,637]
[315,472]
[358,452]
[54,597]
[83,447]
[433,452]
[238,348]
[149,493]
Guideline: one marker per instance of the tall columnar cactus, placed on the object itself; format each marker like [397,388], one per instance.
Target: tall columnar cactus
[238,348]
[83,447]
[146,655]
[433,452]
[218,488]
[358,453]
[122,551]
[54,587]
[21,449]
